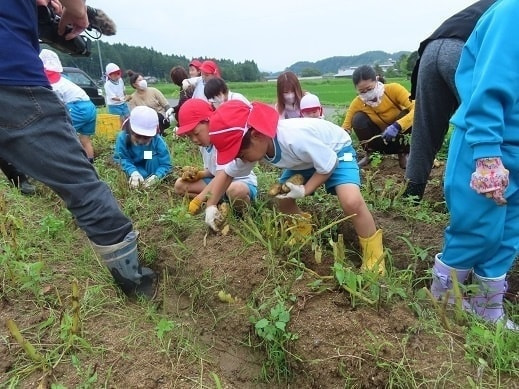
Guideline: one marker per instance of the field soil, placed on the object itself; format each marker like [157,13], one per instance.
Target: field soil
[339,344]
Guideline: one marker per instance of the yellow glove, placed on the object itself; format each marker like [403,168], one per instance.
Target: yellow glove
[191,174]
[195,206]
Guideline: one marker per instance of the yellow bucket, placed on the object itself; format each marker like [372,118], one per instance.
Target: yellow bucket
[108,125]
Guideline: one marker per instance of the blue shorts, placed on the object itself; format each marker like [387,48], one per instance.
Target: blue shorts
[346,172]
[253,189]
[83,115]
[121,110]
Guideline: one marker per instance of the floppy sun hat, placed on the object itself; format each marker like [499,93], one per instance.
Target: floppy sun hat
[233,119]
[309,102]
[144,121]
[191,113]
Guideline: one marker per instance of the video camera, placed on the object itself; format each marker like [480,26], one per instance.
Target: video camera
[48,22]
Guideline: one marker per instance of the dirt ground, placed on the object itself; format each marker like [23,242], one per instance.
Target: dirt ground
[338,345]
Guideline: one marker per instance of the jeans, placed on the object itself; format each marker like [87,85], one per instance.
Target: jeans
[36,133]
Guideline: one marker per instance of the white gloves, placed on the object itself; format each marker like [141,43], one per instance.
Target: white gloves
[296,192]
[150,181]
[211,215]
[185,84]
[135,180]
[169,114]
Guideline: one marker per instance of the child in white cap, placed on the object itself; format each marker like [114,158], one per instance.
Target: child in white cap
[114,92]
[82,111]
[141,152]
[311,106]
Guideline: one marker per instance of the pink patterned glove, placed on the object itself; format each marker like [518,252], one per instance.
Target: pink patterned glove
[490,179]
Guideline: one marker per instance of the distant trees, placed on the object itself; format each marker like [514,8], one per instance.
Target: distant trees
[150,62]
[310,72]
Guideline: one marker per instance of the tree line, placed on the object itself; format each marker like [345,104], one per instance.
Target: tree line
[150,62]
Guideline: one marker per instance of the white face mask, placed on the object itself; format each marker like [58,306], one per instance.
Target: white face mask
[142,85]
[374,96]
[289,98]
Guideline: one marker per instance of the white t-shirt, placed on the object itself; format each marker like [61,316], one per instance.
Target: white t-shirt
[114,90]
[209,158]
[237,96]
[68,92]
[301,143]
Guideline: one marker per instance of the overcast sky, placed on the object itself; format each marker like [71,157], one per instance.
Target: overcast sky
[276,33]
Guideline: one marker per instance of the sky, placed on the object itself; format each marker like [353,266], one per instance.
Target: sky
[276,33]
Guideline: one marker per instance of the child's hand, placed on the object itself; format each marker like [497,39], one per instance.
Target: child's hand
[296,192]
[212,216]
[490,179]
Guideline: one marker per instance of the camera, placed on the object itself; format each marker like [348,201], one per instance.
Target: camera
[48,23]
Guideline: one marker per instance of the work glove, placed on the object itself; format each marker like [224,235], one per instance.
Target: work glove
[170,114]
[185,84]
[150,181]
[135,180]
[212,215]
[296,192]
[391,132]
[194,206]
[490,179]
[192,174]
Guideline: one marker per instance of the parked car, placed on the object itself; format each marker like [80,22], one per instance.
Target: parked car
[82,79]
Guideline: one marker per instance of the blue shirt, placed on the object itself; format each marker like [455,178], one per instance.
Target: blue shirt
[19,47]
[153,158]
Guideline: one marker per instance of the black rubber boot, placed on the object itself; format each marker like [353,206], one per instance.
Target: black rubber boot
[414,192]
[122,261]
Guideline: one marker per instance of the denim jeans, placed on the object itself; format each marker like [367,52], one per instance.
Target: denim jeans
[36,134]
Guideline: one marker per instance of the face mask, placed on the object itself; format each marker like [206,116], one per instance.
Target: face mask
[142,84]
[374,96]
[289,98]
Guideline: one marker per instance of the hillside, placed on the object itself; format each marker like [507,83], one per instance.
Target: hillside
[333,64]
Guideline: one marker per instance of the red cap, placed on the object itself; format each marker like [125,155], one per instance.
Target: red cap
[232,120]
[196,63]
[210,67]
[191,113]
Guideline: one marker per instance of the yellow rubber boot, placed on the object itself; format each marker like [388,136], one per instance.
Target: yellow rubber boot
[373,253]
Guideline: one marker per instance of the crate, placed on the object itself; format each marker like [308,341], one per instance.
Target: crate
[108,125]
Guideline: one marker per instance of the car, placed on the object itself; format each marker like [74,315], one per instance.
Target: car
[83,80]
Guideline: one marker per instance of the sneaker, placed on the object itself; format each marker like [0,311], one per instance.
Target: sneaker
[27,188]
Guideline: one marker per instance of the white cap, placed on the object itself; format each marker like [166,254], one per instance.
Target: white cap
[51,61]
[309,101]
[144,121]
[111,67]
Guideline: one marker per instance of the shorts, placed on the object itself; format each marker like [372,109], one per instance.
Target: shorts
[253,189]
[121,110]
[346,171]
[83,115]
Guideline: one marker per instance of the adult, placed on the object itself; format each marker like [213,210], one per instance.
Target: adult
[16,177]
[178,74]
[381,116]
[37,133]
[149,97]
[434,92]
[289,94]
[482,175]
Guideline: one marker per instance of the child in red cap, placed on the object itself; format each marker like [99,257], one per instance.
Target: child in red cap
[317,149]
[194,123]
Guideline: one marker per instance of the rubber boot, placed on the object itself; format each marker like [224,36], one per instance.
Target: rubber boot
[26,187]
[442,280]
[122,261]
[488,301]
[414,192]
[373,253]
[402,160]
[366,160]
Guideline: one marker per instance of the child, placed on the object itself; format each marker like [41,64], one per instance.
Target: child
[142,154]
[289,95]
[194,68]
[311,107]
[208,69]
[482,174]
[318,149]
[82,111]
[194,123]
[114,92]
[217,92]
